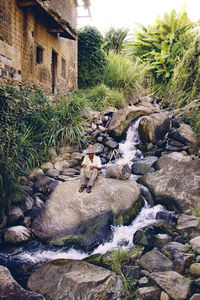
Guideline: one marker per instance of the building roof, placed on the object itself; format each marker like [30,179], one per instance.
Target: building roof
[55,24]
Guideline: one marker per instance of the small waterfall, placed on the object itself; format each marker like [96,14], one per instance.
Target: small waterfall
[128,149]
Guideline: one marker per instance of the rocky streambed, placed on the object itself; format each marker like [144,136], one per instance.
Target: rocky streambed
[154,215]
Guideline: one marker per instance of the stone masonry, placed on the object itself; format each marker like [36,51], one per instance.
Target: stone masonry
[38,44]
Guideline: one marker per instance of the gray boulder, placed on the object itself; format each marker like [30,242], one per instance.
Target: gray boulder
[174,284]
[10,289]
[17,234]
[177,183]
[185,134]
[85,218]
[144,165]
[15,215]
[154,127]
[148,293]
[195,242]
[154,260]
[188,224]
[70,280]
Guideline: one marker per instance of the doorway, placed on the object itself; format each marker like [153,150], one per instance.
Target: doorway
[54,63]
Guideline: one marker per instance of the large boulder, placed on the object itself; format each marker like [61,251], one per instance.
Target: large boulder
[154,127]
[10,289]
[174,284]
[70,216]
[17,234]
[69,280]
[177,183]
[123,117]
[154,260]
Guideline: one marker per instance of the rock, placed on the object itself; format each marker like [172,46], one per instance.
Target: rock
[76,156]
[53,185]
[161,239]
[101,129]
[111,143]
[148,293]
[93,127]
[195,269]
[176,184]
[154,260]
[184,134]
[164,296]
[143,281]
[42,184]
[70,172]
[132,271]
[195,242]
[73,163]
[173,248]
[123,117]
[172,159]
[38,205]
[65,156]
[47,165]
[167,216]
[36,173]
[27,204]
[68,279]
[144,236]
[144,165]
[195,297]
[10,289]
[182,261]
[61,165]
[174,284]
[154,127]
[188,224]
[17,234]
[53,173]
[15,215]
[88,216]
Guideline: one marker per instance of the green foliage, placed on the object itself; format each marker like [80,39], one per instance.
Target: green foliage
[91,58]
[101,97]
[29,127]
[185,85]
[114,39]
[122,73]
[160,45]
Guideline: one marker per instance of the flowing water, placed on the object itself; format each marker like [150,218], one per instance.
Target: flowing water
[35,252]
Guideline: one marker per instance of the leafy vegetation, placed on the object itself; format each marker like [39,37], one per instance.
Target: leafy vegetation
[159,46]
[29,127]
[114,39]
[91,58]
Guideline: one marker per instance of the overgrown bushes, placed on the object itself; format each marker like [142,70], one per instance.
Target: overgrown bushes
[91,58]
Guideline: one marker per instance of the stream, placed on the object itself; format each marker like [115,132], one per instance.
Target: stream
[34,252]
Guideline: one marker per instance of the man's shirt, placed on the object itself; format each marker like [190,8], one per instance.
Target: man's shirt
[96,163]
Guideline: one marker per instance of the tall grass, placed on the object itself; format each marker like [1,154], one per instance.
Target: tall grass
[30,125]
[123,74]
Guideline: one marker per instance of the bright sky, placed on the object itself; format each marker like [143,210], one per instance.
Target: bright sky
[125,13]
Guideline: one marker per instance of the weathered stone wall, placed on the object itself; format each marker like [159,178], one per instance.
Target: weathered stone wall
[22,31]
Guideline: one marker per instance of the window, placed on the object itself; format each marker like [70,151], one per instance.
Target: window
[39,55]
[63,68]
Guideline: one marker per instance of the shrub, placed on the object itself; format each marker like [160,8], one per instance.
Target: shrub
[102,97]
[91,58]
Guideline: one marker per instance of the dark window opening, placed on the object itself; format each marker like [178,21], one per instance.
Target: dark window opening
[39,55]
[63,68]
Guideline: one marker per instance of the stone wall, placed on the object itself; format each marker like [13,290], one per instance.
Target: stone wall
[28,51]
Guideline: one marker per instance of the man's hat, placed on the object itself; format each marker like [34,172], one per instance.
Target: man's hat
[91,149]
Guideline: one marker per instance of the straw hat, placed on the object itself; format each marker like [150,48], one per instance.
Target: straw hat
[91,149]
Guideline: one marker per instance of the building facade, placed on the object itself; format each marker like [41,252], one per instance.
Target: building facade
[38,44]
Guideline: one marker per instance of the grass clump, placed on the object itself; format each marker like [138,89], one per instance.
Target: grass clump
[123,74]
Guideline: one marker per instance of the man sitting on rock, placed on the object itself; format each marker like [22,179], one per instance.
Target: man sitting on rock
[91,166]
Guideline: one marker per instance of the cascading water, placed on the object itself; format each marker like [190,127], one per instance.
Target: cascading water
[34,252]
[128,149]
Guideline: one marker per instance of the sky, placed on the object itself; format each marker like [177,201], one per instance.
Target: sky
[126,13]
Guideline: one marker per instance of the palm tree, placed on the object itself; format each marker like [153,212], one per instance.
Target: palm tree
[114,39]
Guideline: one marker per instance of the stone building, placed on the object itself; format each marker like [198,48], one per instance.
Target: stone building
[38,44]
